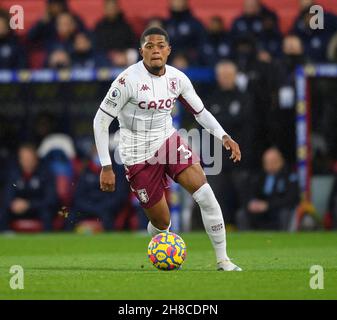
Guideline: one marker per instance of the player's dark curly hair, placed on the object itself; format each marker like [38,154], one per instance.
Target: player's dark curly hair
[154,30]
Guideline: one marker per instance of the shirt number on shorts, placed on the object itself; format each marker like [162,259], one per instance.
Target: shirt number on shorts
[188,153]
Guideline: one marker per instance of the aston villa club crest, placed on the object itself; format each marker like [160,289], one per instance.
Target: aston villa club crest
[173,84]
[142,194]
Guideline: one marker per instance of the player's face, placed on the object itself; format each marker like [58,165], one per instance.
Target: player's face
[155,51]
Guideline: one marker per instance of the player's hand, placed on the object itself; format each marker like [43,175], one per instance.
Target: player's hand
[107,179]
[230,144]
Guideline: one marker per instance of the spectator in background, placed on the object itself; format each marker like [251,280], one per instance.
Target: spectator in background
[66,30]
[235,112]
[218,43]
[12,54]
[113,32]
[258,77]
[254,19]
[244,53]
[119,58]
[7,149]
[180,61]
[57,152]
[332,49]
[315,40]
[155,22]
[30,191]
[46,124]
[328,124]
[90,201]
[292,54]
[260,23]
[185,31]
[8,145]
[270,38]
[283,111]
[84,55]
[45,28]
[43,125]
[58,59]
[233,108]
[274,196]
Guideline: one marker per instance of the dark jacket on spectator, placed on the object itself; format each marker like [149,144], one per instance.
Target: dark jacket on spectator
[89,59]
[56,43]
[271,41]
[12,54]
[261,84]
[41,32]
[89,200]
[186,33]
[38,189]
[253,25]
[315,40]
[283,193]
[217,46]
[235,112]
[282,113]
[116,34]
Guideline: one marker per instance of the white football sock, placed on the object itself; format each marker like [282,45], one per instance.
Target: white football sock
[152,230]
[212,218]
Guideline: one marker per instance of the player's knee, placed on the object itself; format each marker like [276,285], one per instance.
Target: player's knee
[193,178]
[201,182]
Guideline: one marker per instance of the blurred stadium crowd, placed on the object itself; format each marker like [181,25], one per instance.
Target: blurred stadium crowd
[253,98]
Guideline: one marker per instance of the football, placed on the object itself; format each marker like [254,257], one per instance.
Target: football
[167,251]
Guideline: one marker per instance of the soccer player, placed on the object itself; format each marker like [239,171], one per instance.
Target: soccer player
[142,98]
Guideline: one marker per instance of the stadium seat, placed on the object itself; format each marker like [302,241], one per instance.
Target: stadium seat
[90,11]
[321,189]
[228,16]
[137,14]
[36,59]
[126,217]
[35,225]
[89,226]
[137,24]
[27,225]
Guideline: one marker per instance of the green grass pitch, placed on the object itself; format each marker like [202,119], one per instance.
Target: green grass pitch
[115,266]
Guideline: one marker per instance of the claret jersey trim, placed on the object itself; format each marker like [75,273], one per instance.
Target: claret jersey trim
[187,106]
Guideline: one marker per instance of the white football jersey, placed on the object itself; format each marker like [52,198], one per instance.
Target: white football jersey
[143,102]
